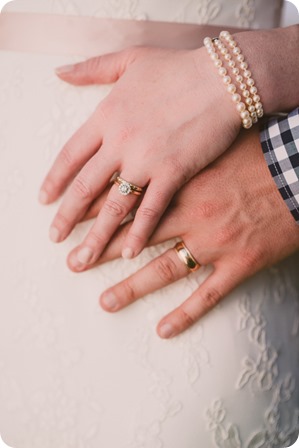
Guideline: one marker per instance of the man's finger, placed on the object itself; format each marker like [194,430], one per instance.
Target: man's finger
[214,289]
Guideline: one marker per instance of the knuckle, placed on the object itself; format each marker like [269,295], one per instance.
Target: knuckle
[185,318]
[81,188]
[91,66]
[67,158]
[113,208]
[251,258]
[61,221]
[148,213]
[178,171]
[128,291]
[166,269]
[211,297]
[135,238]
[225,236]
[206,209]
[95,239]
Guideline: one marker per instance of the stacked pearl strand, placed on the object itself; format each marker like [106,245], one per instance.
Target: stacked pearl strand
[225,46]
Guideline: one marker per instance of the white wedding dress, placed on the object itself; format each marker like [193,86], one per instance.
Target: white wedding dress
[75,376]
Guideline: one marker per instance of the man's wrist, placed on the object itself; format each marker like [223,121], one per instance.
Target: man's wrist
[271,56]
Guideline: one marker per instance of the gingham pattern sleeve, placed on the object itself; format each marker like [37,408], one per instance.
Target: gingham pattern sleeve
[280,143]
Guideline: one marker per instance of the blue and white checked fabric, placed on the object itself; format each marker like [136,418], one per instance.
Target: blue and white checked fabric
[280,143]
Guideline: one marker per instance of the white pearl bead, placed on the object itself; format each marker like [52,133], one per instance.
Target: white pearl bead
[247,126]
[231,88]
[243,86]
[240,58]
[235,71]
[236,98]
[207,40]
[251,108]
[227,79]
[218,63]
[241,107]
[247,73]
[250,82]
[214,56]
[239,78]
[256,98]
[224,51]
[222,71]
[245,114]
[245,93]
[247,121]
[253,90]
[232,44]
[236,50]
[210,50]
[260,113]
[248,101]
[243,65]
[232,64]
[254,119]
[224,34]
[258,105]
[227,57]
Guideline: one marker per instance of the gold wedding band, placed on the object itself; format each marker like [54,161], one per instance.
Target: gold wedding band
[125,187]
[186,256]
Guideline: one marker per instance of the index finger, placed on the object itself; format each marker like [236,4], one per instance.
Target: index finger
[83,144]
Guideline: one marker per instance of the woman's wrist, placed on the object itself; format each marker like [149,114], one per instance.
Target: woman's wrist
[271,56]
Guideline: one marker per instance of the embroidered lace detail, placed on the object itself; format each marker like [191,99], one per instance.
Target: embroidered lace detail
[245,13]
[279,429]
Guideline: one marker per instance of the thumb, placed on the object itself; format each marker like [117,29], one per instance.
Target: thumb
[103,69]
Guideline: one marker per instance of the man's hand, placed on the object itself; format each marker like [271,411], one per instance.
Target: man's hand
[231,216]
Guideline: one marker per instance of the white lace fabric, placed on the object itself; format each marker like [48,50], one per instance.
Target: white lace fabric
[74,376]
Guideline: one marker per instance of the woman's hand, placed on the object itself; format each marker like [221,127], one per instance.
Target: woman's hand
[166,118]
[231,216]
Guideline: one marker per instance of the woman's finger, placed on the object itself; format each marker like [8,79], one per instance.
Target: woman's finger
[103,69]
[224,278]
[168,229]
[160,272]
[154,203]
[75,153]
[87,185]
[114,210]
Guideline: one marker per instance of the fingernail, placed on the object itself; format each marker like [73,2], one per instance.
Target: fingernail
[166,330]
[43,197]
[127,253]
[64,69]
[85,255]
[110,300]
[54,234]
[75,263]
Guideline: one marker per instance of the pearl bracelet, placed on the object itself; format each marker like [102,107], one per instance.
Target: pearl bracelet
[250,108]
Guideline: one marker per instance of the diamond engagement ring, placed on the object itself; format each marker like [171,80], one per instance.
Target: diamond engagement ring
[126,188]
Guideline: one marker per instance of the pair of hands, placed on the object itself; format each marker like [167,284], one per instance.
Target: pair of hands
[162,111]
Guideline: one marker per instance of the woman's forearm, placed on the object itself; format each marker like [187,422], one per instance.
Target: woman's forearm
[273,58]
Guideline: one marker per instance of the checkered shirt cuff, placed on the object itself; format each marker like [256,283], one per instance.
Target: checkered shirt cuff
[280,142]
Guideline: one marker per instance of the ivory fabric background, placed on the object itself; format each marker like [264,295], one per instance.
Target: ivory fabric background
[74,376]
